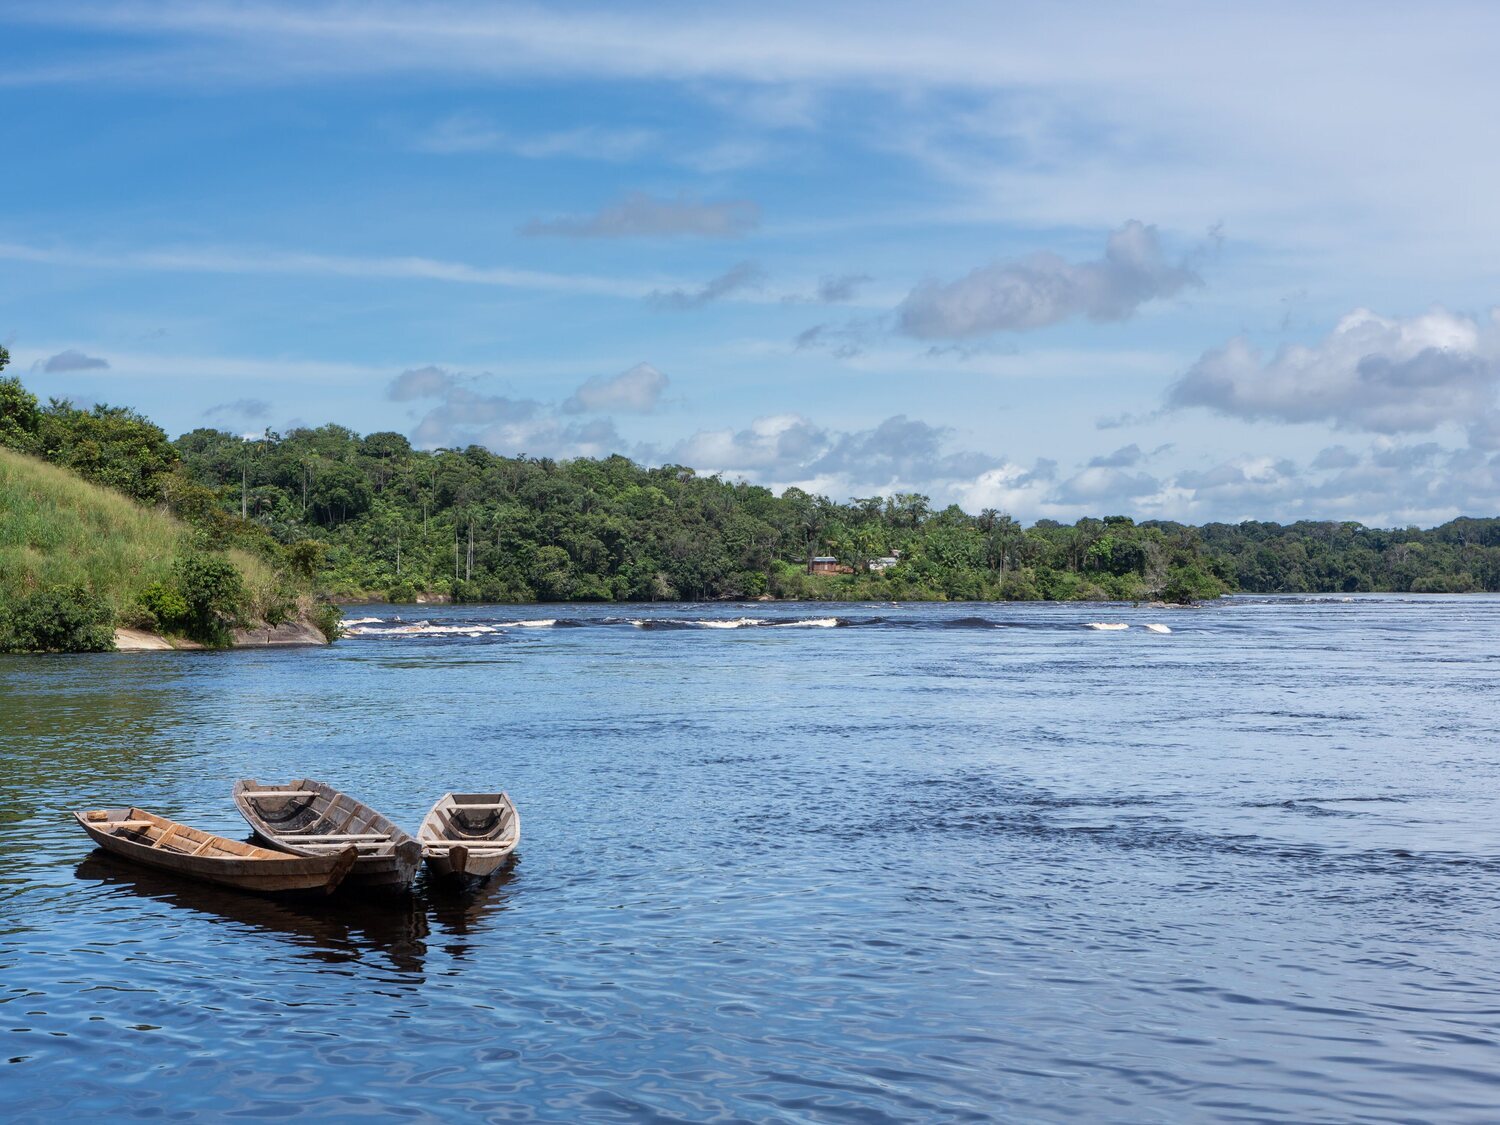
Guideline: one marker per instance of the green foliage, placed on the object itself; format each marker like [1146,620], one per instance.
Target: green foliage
[58,530]
[370,515]
[305,558]
[328,619]
[214,594]
[161,606]
[109,445]
[482,527]
[19,415]
[57,619]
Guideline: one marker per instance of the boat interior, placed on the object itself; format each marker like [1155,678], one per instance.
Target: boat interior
[312,817]
[485,818]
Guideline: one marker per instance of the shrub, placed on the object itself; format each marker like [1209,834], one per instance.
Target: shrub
[328,619]
[57,619]
[1187,584]
[214,594]
[163,607]
[403,593]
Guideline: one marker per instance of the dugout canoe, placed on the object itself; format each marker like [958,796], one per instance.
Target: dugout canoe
[154,841]
[469,834]
[310,818]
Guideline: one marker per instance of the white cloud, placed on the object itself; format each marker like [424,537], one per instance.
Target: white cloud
[1341,135]
[1043,289]
[635,391]
[899,454]
[1373,373]
[419,382]
[464,416]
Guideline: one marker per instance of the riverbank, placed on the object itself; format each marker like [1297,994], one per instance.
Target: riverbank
[300,631]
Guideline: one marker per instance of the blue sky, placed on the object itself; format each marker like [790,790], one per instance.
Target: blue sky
[1169,261]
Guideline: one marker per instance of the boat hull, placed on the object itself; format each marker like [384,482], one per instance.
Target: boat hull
[469,835]
[310,818]
[270,873]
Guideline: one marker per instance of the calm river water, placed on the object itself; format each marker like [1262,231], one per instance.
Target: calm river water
[849,863]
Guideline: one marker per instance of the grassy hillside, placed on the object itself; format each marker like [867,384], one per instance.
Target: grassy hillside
[59,531]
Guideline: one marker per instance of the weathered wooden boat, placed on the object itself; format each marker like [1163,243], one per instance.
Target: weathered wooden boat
[469,834]
[155,841]
[307,817]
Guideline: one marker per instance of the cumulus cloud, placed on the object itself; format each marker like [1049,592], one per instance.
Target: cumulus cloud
[464,413]
[640,215]
[548,435]
[1335,457]
[1373,373]
[1044,289]
[900,449]
[419,382]
[898,454]
[72,360]
[1103,487]
[459,415]
[1122,458]
[636,391]
[745,275]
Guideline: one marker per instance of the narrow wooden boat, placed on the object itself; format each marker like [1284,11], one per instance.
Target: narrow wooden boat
[155,841]
[469,834]
[307,817]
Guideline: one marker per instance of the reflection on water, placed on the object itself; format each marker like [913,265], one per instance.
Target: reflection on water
[334,929]
[922,863]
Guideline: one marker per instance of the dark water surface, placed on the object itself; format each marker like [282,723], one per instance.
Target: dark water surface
[931,863]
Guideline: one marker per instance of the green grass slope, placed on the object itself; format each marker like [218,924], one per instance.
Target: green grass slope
[57,529]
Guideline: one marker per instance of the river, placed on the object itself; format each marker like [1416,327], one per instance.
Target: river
[789,862]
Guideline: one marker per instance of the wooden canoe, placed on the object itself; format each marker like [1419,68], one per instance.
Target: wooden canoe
[310,818]
[155,841]
[469,834]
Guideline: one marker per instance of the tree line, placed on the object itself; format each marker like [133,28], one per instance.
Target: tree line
[371,515]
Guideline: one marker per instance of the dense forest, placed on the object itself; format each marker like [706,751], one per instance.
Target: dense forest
[372,516]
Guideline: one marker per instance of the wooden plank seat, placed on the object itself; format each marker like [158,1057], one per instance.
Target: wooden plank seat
[305,837]
[280,793]
[343,843]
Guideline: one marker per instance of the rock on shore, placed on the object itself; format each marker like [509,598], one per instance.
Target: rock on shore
[297,632]
[287,633]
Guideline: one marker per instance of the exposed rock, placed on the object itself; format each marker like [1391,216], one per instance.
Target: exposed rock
[287,633]
[434,599]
